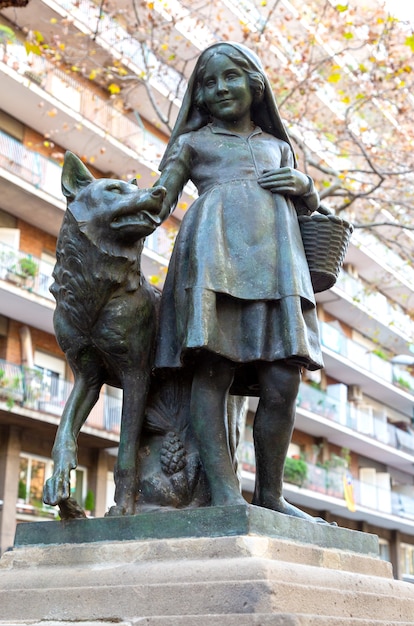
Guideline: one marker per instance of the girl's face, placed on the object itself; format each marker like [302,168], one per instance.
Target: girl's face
[225,90]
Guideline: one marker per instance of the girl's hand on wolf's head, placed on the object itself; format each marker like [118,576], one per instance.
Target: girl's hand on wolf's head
[285,180]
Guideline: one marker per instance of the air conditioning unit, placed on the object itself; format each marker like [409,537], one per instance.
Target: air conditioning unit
[355,393]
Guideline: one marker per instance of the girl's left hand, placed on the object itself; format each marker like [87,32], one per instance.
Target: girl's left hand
[285,180]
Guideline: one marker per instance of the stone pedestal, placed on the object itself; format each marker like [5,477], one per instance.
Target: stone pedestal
[190,568]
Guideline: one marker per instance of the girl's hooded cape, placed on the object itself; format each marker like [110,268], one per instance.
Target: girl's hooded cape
[265,114]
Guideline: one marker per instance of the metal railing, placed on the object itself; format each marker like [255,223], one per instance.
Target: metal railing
[25,271]
[331,482]
[95,109]
[32,389]
[376,304]
[372,423]
[34,168]
[45,174]
[336,341]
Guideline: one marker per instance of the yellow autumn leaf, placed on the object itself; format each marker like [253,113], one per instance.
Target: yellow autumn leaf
[32,47]
[38,36]
[61,46]
[113,88]
[410,42]
[335,77]
[93,75]
[122,71]
[53,20]
[346,99]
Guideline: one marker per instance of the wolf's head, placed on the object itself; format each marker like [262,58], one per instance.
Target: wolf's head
[110,213]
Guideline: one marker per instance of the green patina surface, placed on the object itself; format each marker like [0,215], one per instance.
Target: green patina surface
[201,522]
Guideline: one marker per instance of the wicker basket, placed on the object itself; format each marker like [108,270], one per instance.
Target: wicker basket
[325,239]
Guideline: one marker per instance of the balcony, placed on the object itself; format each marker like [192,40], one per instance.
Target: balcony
[364,421]
[379,265]
[26,271]
[30,185]
[354,364]
[25,280]
[24,388]
[84,122]
[361,306]
[323,489]
[24,288]
[44,209]
[363,430]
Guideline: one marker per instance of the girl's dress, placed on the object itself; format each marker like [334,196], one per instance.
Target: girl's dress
[238,283]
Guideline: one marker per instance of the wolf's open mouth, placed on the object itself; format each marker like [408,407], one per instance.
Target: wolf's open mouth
[135,219]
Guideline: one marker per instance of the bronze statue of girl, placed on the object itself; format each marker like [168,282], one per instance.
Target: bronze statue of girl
[238,306]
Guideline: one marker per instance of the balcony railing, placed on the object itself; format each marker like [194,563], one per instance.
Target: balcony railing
[31,166]
[46,175]
[26,271]
[371,423]
[386,256]
[331,482]
[336,341]
[115,38]
[376,304]
[31,389]
[97,110]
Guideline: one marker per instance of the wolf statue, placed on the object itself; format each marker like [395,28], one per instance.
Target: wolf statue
[105,317]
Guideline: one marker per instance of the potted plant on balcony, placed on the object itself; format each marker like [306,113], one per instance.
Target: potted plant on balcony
[296,471]
[23,272]
[11,390]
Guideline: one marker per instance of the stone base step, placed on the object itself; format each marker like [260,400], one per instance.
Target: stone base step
[227,580]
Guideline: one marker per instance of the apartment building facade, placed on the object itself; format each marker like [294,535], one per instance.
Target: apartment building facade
[352,453]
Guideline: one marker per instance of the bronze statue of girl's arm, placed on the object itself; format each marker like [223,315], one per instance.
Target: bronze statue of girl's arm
[175,174]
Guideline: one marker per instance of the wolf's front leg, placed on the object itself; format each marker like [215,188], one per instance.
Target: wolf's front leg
[64,454]
[125,472]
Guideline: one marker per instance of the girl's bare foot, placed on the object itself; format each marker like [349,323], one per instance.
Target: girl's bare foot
[282,506]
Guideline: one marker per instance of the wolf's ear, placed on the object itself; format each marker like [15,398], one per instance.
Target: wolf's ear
[75,176]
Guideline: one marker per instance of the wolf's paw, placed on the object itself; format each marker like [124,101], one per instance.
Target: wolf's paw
[57,487]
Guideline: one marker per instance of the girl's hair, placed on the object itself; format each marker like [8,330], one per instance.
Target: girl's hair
[256,80]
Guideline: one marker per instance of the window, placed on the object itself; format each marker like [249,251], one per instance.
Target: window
[33,472]
[32,476]
[407,561]
[384,549]
[53,373]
